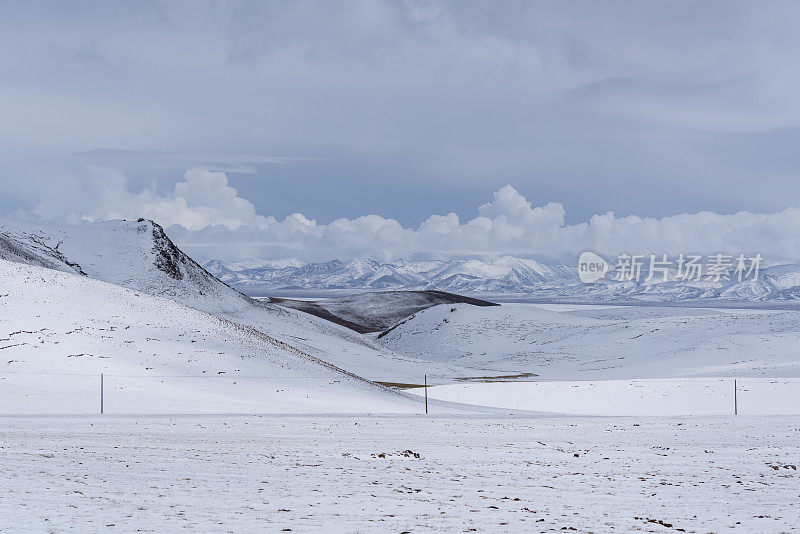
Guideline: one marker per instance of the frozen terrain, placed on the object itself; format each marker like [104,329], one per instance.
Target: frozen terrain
[169,338]
[59,331]
[139,256]
[648,397]
[446,342]
[389,474]
[604,342]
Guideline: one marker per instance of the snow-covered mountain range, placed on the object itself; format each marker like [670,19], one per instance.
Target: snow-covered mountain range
[508,276]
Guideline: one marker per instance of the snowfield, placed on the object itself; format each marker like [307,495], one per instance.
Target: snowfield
[120,300]
[661,397]
[390,474]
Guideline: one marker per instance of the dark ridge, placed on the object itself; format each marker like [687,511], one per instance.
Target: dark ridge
[404,321]
[168,256]
[314,309]
[169,259]
[50,256]
[458,299]
[376,311]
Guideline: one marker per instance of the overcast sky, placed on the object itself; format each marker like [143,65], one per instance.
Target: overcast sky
[228,118]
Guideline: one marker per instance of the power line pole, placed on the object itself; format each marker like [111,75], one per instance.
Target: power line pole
[735,399]
[426,394]
[101,392]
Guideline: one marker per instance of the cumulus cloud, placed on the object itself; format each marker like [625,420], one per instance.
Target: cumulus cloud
[210,219]
[203,198]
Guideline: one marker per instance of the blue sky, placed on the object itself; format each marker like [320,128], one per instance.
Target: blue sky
[400,109]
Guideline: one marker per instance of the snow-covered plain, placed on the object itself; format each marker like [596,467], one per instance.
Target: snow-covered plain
[390,474]
[660,397]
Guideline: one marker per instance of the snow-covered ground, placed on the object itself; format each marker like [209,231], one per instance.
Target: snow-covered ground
[604,342]
[59,331]
[409,474]
[660,397]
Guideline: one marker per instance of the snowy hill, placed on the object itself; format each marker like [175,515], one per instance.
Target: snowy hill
[139,256]
[59,331]
[603,342]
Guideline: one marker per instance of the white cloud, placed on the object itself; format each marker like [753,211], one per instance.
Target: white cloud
[202,199]
[209,218]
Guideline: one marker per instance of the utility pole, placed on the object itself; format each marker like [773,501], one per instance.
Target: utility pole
[735,399]
[426,394]
[101,392]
